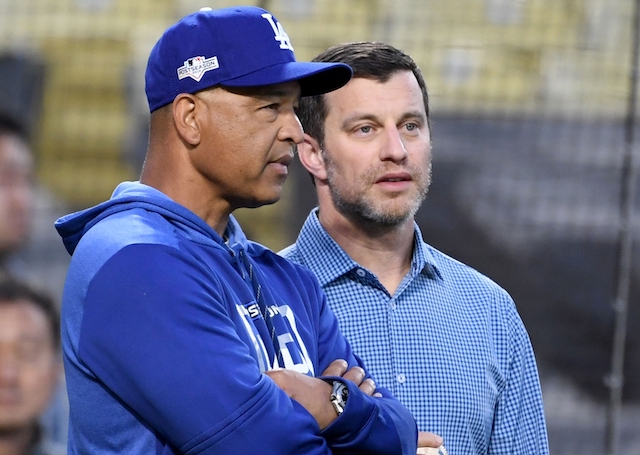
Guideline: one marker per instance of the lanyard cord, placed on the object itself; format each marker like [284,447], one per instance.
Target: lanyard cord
[264,311]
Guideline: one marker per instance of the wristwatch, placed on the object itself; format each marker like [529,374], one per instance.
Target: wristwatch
[339,395]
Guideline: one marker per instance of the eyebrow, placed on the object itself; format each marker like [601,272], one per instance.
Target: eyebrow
[358,116]
[279,95]
[270,91]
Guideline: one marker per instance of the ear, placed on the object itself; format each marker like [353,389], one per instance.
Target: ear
[184,117]
[311,157]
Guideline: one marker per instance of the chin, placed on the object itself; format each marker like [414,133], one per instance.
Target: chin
[394,213]
[260,202]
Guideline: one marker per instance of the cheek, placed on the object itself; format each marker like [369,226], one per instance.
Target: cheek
[4,202]
[350,163]
[22,205]
[38,384]
[420,155]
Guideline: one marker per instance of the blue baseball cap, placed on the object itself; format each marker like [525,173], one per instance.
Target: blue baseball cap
[232,47]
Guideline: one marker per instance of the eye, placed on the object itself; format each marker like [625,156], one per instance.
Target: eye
[363,131]
[412,127]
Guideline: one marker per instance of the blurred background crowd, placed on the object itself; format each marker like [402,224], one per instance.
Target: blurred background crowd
[530,106]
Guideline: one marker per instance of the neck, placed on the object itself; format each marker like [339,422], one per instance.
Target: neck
[386,251]
[17,442]
[197,194]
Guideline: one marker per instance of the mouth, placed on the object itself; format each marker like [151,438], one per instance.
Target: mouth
[394,182]
[284,160]
[395,177]
[282,163]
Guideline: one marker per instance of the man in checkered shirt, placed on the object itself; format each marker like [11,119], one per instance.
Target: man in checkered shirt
[445,339]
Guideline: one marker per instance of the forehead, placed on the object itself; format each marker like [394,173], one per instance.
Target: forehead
[20,319]
[400,93]
[14,153]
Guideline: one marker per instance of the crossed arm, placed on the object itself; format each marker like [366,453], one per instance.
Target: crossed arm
[313,394]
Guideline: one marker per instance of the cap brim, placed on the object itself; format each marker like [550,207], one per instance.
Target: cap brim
[315,78]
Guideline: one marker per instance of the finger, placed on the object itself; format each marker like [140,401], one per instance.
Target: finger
[336,368]
[355,374]
[426,439]
[285,379]
[273,371]
[368,387]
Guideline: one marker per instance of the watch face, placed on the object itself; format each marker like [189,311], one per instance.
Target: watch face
[344,393]
[340,391]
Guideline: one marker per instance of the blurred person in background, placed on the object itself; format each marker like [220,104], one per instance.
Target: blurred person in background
[21,258]
[179,334]
[446,340]
[16,192]
[29,249]
[30,367]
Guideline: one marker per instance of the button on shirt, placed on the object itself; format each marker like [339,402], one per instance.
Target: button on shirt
[449,344]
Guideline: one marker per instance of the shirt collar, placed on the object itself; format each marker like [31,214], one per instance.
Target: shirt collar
[424,260]
[328,261]
[321,253]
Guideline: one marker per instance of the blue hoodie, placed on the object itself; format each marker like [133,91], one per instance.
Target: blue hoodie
[165,349]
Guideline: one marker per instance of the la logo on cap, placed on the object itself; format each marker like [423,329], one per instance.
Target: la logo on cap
[280,34]
[195,67]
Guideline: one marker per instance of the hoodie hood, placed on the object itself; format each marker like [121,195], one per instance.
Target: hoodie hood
[130,195]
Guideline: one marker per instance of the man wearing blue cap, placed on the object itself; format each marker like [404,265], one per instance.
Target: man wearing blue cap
[179,334]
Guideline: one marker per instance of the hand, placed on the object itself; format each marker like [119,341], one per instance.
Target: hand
[426,439]
[355,374]
[312,393]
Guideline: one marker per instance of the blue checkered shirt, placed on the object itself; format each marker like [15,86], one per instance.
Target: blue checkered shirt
[449,344]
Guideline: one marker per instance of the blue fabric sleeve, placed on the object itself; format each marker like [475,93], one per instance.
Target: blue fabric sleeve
[363,418]
[158,333]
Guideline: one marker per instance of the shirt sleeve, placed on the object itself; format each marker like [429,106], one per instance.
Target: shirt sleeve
[519,424]
[158,334]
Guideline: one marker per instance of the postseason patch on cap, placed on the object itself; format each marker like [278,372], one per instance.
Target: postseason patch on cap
[195,67]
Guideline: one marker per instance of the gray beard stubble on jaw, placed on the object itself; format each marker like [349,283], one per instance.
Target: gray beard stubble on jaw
[366,211]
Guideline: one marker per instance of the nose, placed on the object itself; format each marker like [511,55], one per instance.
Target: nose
[18,201]
[21,196]
[393,148]
[8,370]
[18,190]
[291,131]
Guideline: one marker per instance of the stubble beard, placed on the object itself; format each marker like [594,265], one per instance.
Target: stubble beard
[359,205]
